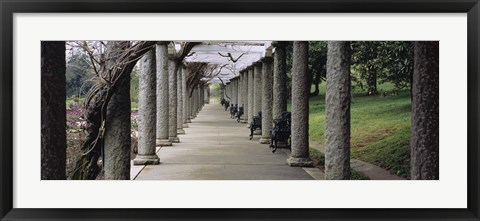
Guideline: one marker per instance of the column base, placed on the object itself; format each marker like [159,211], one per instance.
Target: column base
[163,142]
[243,121]
[189,121]
[185,125]
[174,139]
[257,132]
[180,131]
[146,160]
[248,125]
[299,162]
[265,140]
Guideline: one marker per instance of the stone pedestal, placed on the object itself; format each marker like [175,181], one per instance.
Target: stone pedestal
[146,160]
[299,156]
[147,111]
[162,95]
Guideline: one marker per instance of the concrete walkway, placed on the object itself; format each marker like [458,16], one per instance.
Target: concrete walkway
[216,147]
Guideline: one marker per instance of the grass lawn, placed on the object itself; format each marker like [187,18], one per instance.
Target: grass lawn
[380,128]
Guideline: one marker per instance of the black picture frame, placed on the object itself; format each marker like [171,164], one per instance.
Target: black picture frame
[9,7]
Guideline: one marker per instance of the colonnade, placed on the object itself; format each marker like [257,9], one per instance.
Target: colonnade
[166,102]
[259,89]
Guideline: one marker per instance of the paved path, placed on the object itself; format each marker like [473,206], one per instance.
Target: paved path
[216,147]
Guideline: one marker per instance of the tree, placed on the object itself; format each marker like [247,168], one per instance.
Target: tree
[110,73]
[53,115]
[317,63]
[376,62]
[79,73]
[367,63]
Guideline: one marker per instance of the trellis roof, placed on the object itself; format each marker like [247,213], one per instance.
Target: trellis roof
[226,52]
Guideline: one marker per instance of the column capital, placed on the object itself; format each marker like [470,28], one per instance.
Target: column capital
[266,60]
[257,63]
[280,44]
[163,42]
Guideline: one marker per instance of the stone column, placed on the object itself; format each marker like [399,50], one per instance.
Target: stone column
[245,96]
[185,98]
[425,112]
[53,115]
[180,101]
[202,100]
[192,102]
[251,85]
[300,90]
[162,94]
[257,92]
[235,91]
[267,84]
[227,92]
[172,100]
[117,139]
[279,79]
[337,111]
[239,90]
[195,101]
[147,111]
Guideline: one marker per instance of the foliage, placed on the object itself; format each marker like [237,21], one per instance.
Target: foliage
[134,85]
[317,63]
[376,62]
[78,73]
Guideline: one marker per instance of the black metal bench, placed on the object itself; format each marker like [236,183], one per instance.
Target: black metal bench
[239,114]
[233,110]
[281,131]
[226,105]
[256,124]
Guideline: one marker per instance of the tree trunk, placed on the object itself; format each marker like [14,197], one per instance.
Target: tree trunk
[117,142]
[372,81]
[425,109]
[337,111]
[53,115]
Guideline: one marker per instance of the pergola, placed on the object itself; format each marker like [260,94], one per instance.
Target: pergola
[233,56]
[256,76]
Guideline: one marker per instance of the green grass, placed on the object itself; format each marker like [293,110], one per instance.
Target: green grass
[134,106]
[380,128]
[319,157]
